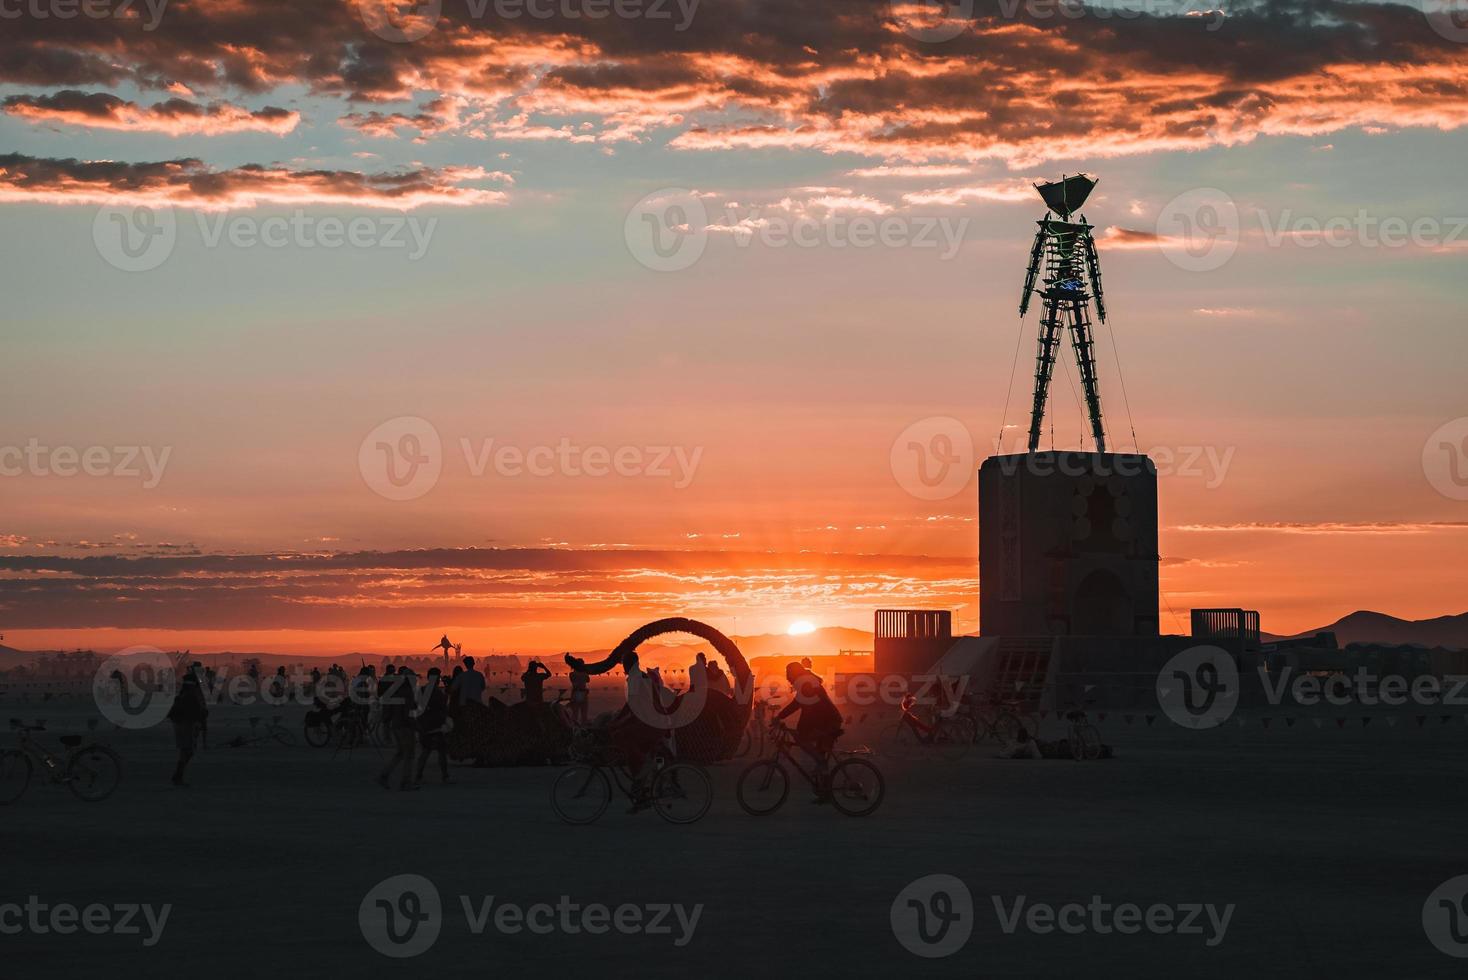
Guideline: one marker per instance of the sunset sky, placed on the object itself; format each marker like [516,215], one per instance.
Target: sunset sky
[724,439]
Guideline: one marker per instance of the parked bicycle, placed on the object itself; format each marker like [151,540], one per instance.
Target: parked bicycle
[90,770]
[274,731]
[680,792]
[854,784]
[1002,719]
[940,728]
[1083,737]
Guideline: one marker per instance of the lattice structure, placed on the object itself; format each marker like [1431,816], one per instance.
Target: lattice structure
[1065,273]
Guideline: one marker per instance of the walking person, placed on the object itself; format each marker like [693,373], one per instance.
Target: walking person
[433,725]
[396,697]
[188,714]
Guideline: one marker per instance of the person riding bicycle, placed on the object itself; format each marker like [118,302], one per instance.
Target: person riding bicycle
[820,721]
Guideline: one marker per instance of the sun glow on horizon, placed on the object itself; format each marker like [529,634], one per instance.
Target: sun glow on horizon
[800,628]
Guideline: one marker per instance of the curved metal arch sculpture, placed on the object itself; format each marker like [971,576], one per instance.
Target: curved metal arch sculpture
[706,738]
[674,624]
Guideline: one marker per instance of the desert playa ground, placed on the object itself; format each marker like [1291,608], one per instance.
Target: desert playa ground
[1326,841]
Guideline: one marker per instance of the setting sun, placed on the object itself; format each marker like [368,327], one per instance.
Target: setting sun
[801,627]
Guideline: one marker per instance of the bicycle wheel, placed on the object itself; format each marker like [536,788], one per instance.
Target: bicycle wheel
[763,788]
[1085,742]
[960,730]
[581,794]
[318,730]
[1006,726]
[15,775]
[857,787]
[682,793]
[93,772]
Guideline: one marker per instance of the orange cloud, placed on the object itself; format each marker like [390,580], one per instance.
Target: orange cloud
[189,183]
[174,117]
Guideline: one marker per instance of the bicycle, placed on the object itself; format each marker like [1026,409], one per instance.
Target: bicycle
[91,770]
[680,792]
[1002,720]
[275,730]
[854,783]
[1083,737]
[944,729]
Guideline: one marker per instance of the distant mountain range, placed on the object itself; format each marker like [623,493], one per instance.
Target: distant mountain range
[1364,626]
